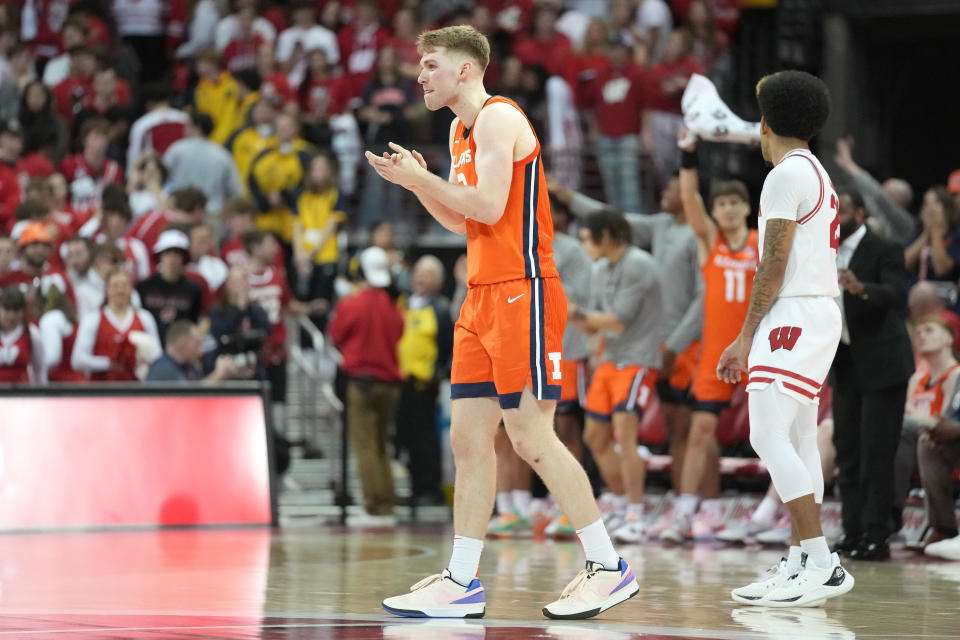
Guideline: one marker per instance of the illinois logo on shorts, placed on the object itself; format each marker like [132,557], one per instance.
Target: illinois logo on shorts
[509,337]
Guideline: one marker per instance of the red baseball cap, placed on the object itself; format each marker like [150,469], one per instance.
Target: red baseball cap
[953,182]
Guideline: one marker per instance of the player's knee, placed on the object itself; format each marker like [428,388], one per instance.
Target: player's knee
[701,434]
[761,440]
[468,446]
[596,438]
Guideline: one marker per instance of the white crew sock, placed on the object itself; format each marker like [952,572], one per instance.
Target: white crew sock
[465,559]
[686,505]
[504,502]
[793,559]
[521,502]
[766,511]
[817,551]
[597,545]
[635,509]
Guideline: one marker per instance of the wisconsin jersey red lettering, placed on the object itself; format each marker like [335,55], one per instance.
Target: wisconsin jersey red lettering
[269,289]
[113,342]
[520,244]
[784,338]
[16,354]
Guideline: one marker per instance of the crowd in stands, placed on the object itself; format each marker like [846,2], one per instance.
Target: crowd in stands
[176,175]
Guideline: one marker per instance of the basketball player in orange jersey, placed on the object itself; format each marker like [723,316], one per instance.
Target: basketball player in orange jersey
[728,255]
[928,398]
[507,343]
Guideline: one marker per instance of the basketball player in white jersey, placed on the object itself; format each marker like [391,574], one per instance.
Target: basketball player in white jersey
[791,332]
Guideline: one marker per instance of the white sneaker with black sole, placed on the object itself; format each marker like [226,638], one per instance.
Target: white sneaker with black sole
[593,591]
[811,586]
[755,592]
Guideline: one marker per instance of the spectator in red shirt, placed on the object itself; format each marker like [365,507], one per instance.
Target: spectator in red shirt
[360,41]
[545,46]
[585,65]
[11,145]
[89,171]
[72,93]
[36,272]
[108,91]
[512,16]
[321,95]
[188,208]
[274,85]
[366,329]
[616,96]
[663,119]
[269,289]
[239,214]
[241,51]
[726,13]
[48,16]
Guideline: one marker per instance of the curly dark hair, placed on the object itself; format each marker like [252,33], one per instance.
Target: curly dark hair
[611,221]
[795,104]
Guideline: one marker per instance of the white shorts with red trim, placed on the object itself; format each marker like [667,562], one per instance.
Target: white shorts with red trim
[794,347]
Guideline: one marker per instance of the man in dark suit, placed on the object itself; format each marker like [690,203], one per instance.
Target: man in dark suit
[874,361]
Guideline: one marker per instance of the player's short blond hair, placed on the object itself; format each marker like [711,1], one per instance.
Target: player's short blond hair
[462,38]
[936,319]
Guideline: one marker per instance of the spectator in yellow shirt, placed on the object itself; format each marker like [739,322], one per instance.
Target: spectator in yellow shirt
[276,179]
[319,214]
[216,94]
[247,142]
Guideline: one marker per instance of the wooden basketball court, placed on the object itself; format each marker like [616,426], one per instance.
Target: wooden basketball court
[323,582]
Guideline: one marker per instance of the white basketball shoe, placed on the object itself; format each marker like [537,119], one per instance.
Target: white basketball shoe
[593,591]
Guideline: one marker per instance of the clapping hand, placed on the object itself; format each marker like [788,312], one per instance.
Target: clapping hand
[401,167]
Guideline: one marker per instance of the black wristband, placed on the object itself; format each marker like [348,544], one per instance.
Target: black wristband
[688,159]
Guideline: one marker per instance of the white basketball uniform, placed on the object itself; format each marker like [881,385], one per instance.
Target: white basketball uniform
[796,341]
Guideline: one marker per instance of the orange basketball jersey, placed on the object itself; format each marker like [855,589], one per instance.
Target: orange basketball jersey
[520,244]
[928,396]
[728,279]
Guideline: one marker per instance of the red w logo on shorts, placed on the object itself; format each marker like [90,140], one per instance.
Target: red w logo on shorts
[784,338]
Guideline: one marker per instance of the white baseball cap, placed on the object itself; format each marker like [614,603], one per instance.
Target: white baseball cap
[171,239]
[376,267]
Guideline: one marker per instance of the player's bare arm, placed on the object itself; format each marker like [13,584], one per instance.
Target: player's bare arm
[496,132]
[777,240]
[695,211]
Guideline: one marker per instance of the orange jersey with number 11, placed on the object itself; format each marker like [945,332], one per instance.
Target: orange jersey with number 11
[728,279]
[520,244]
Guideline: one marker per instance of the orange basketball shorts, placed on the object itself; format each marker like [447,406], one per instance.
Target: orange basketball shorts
[508,337]
[709,392]
[573,391]
[616,389]
[684,367]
